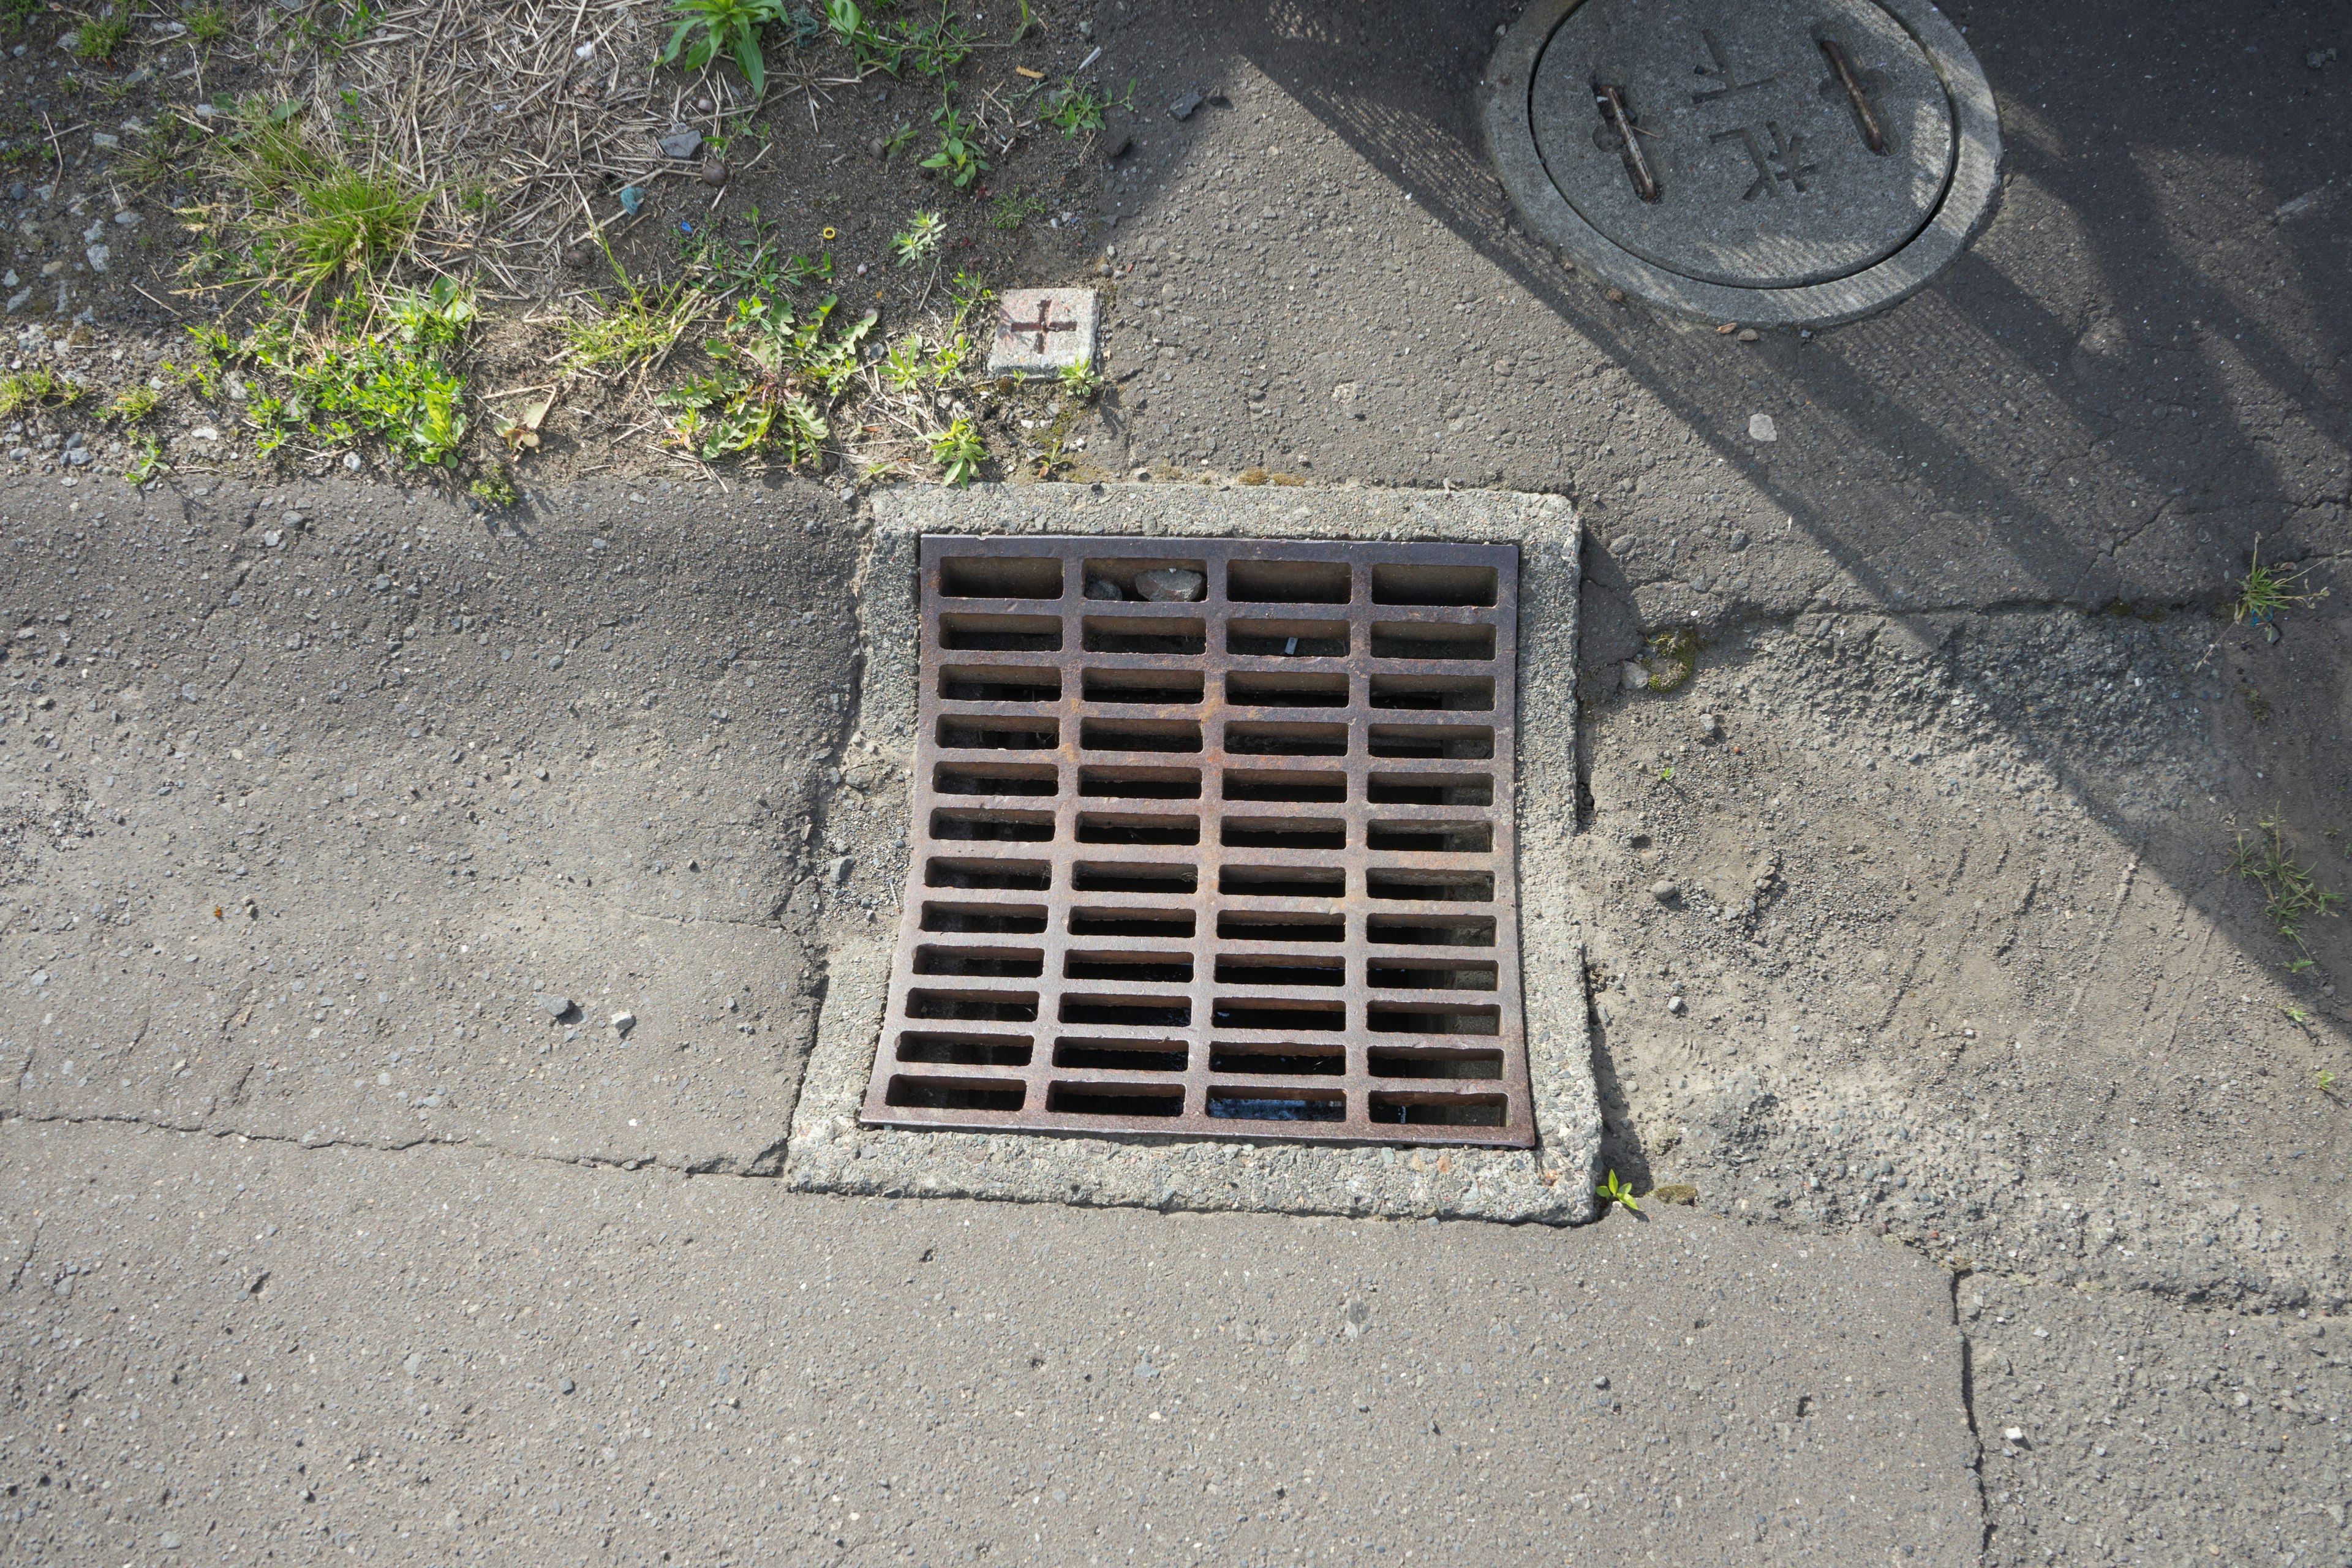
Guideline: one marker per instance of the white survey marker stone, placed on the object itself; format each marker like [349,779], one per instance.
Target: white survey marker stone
[1042,331]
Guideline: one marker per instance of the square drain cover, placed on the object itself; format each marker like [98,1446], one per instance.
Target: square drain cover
[1211,837]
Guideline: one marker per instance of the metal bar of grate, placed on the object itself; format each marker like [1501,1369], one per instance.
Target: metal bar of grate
[1239,866]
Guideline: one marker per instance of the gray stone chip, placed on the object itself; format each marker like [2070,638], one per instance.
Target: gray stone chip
[1170,583]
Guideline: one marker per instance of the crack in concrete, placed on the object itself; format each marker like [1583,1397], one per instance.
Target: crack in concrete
[767,1164]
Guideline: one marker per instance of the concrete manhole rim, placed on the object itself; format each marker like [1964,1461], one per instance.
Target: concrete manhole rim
[1968,198]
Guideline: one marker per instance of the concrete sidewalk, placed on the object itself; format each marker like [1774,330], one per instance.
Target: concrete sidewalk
[236,1351]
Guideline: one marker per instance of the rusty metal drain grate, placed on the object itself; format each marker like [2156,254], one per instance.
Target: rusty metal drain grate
[1238,865]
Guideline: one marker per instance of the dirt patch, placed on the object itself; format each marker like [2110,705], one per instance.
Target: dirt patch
[553,172]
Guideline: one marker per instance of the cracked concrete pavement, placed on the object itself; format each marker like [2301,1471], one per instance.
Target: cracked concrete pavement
[328,1234]
[1952,860]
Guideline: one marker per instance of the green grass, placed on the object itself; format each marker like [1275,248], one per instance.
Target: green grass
[16,14]
[496,488]
[35,389]
[309,214]
[207,25]
[2266,591]
[133,404]
[347,218]
[99,36]
[638,325]
[2290,897]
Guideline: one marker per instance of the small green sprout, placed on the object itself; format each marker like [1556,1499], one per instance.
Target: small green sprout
[1613,1191]
[959,451]
[1082,381]
[146,463]
[1667,774]
[919,241]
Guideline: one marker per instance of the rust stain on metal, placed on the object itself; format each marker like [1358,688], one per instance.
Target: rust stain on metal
[1620,120]
[1235,866]
[1865,117]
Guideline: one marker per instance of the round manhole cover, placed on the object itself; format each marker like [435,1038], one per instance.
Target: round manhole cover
[1776,161]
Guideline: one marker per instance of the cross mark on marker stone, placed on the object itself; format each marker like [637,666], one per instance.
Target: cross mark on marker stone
[1041,326]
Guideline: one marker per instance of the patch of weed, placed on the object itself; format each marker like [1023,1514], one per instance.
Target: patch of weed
[895,142]
[1074,110]
[207,25]
[2290,898]
[133,404]
[919,241]
[35,389]
[157,157]
[389,372]
[2266,591]
[496,488]
[777,375]
[1009,212]
[638,325]
[16,14]
[1080,380]
[959,155]
[99,36]
[958,452]
[724,26]
[146,462]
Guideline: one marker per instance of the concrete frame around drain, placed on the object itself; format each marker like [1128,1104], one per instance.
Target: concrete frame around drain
[1553,1183]
[1975,180]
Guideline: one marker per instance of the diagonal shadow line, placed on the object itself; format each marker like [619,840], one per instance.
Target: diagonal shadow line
[1446,174]
[1421,137]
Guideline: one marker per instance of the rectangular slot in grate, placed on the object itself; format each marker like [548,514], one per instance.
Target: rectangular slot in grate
[1232,866]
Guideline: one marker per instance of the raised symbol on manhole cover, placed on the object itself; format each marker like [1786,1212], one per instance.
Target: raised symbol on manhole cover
[1777,161]
[1212,836]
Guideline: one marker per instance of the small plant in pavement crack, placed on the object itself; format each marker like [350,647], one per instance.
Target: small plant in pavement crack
[2265,591]
[1613,1191]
